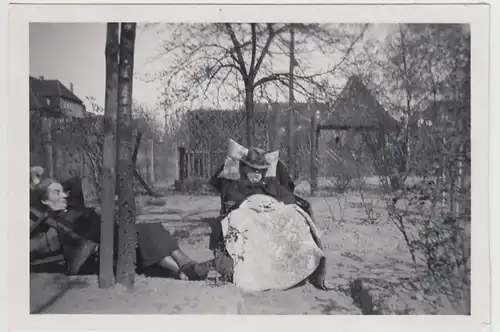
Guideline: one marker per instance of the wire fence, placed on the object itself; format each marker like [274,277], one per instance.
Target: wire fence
[72,146]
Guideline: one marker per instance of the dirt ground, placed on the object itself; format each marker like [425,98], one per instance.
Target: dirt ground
[355,247]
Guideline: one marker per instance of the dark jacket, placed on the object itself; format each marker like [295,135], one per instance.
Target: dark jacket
[234,192]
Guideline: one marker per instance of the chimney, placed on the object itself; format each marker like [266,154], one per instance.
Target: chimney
[41,78]
[71,87]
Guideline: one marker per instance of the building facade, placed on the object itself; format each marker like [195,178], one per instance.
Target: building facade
[55,99]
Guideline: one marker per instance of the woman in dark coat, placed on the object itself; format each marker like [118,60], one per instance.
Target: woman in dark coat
[252,180]
[79,228]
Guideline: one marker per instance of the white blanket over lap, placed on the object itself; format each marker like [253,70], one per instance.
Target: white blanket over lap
[271,244]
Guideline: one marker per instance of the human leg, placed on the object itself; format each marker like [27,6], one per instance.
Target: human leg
[158,246]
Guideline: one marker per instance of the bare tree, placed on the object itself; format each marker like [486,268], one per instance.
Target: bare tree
[291,109]
[238,61]
[426,79]
[125,271]
[106,258]
[408,73]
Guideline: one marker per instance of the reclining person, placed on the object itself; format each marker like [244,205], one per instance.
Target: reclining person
[260,204]
[77,224]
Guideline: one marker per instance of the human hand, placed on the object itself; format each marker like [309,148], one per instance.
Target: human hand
[36,173]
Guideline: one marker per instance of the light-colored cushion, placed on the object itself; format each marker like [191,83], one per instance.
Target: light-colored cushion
[235,152]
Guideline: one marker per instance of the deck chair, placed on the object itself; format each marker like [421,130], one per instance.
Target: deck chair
[73,252]
[216,240]
[283,177]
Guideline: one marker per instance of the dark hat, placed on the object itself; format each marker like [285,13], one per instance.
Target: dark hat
[256,158]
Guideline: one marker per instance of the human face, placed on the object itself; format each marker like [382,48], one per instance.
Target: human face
[56,197]
[252,174]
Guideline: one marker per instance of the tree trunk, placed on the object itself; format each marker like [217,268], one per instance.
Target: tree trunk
[291,117]
[151,161]
[250,113]
[108,182]
[125,271]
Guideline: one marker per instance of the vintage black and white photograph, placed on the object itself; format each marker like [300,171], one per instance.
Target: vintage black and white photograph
[269,168]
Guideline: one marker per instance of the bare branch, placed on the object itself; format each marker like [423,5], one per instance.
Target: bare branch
[272,77]
[254,47]
[266,48]
[237,48]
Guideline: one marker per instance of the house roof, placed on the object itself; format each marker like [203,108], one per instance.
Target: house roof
[356,106]
[50,88]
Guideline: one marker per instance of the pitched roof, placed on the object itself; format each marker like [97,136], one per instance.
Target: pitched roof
[357,107]
[52,88]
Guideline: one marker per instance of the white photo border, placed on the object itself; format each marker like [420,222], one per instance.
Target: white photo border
[18,159]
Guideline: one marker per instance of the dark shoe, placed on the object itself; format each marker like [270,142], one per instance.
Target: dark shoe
[317,278]
[224,265]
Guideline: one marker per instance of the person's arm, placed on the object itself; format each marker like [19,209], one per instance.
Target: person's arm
[75,192]
[279,191]
[232,193]
[215,181]
[284,177]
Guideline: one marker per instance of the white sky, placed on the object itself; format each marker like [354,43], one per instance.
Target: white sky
[74,53]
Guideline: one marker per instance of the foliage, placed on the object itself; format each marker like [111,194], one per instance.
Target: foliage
[422,76]
[221,254]
[77,145]
[146,120]
[438,241]
[78,142]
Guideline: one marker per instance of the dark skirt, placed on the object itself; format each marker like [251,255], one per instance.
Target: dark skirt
[154,244]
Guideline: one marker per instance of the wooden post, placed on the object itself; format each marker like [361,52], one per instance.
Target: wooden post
[125,270]
[208,163]
[46,133]
[106,249]
[314,150]
[182,163]
[291,110]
